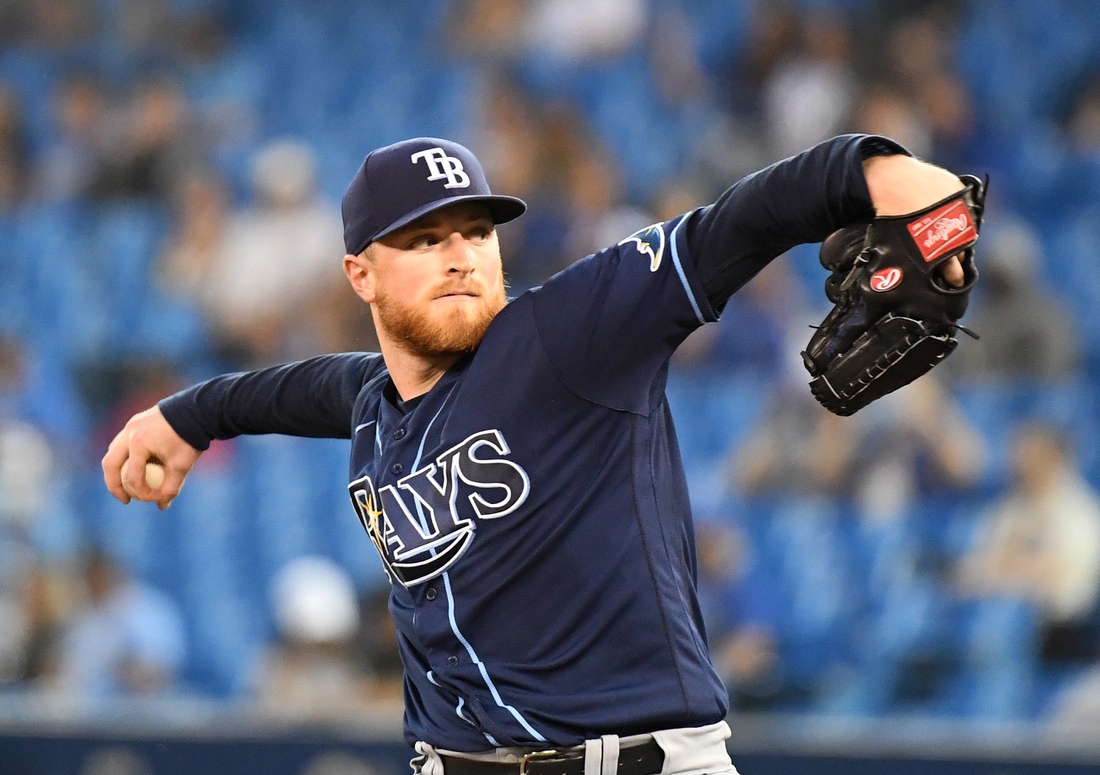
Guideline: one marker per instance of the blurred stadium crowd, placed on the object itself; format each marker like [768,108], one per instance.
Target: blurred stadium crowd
[169,173]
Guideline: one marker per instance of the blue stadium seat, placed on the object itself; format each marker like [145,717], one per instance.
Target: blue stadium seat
[813,567]
[712,411]
[280,523]
[125,240]
[225,626]
[1000,640]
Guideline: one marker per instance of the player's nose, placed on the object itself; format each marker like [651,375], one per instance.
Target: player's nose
[459,254]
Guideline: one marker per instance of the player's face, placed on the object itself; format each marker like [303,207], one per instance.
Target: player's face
[437,283]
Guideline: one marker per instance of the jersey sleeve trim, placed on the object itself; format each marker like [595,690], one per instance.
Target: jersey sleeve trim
[676,262]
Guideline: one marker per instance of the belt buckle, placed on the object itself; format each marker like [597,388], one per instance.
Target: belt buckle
[548,754]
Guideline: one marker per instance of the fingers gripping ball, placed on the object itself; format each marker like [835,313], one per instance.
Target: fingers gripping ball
[895,317]
[154,476]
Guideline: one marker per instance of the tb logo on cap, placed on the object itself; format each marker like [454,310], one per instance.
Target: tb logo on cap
[440,166]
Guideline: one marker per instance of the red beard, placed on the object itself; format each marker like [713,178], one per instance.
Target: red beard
[456,332]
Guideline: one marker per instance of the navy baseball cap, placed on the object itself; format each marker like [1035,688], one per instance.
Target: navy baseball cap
[399,183]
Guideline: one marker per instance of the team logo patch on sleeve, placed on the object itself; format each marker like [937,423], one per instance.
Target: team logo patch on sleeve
[650,242]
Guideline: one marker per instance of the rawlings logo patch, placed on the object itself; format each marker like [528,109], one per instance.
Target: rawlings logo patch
[885,279]
[650,242]
[943,230]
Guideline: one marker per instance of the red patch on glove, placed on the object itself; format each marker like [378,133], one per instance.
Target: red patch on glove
[885,279]
[943,230]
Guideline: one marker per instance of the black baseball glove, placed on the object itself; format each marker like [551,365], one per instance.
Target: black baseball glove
[895,316]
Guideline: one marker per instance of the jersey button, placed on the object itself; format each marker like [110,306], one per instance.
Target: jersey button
[399,433]
[397,468]
[430,593]
[452,661]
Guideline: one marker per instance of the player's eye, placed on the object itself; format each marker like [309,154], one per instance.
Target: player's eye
[480,233]
[422,241]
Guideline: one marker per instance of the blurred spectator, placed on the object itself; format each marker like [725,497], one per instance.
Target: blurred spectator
[677,70]
[309,673]
[26,454]
[150,144]
[27,492]
[917,61]
[489,32]
[52,25]
[809,95]
[583,30]
[259,275]
[1084,121]
[1025,330]
[200,213]
[14,153]
[376,645]
[527,149]
[797,448]
[43,429]
[143,28]
[598,216]
[884,110]
[64,169]
[772,36]
[920,42]
[500,33]
[550,155]
[339,321]
[947,106]
[740,610]
[680,195]
[26,472]
[125,640]
[907,445]
[508,136]
[1041,541]
[1078,182]
[33,625]
[917,444]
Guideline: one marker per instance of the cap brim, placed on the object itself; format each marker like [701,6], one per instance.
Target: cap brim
[501,209]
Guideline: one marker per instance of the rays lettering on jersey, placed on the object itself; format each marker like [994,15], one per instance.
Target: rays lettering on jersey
[420,526]
[650,242]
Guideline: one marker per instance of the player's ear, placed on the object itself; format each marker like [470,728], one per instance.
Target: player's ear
[360,273]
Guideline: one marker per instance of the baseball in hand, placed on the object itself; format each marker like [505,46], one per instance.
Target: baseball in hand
[154,476]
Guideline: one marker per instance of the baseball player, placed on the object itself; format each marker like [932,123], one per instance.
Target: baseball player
[514,462]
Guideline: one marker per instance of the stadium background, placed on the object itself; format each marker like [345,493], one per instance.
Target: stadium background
[132,129]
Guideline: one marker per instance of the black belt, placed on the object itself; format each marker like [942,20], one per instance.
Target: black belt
[639,759]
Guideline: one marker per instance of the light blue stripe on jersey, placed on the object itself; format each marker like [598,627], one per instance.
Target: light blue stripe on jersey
[454,623]
[458,710]
[680,271]
[416,467]
[481,665]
